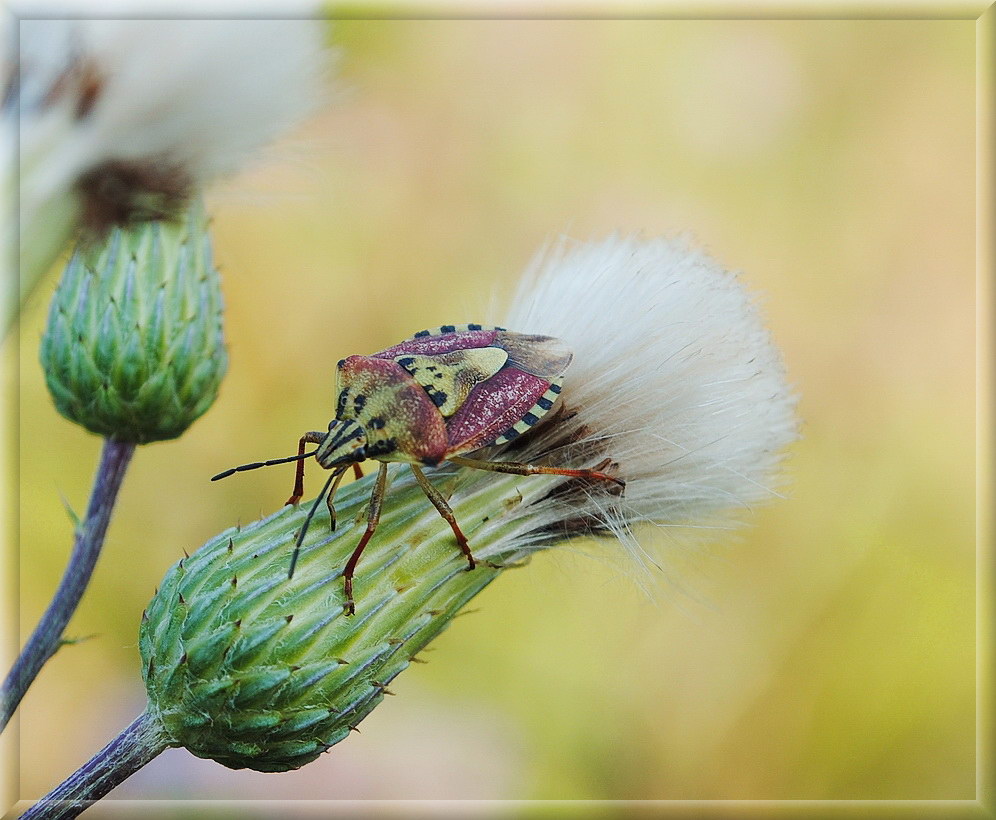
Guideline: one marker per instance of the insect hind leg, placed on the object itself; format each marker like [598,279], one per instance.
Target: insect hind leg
[516,468]
[445,511]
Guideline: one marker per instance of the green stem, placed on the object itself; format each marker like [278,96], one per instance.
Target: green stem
[45,640]
[142,741]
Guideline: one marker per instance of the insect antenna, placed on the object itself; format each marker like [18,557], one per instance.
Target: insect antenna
[257,464]
[307,521]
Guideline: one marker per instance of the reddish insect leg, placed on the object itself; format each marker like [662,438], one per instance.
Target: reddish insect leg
[531,469]
[314,437]
[357,472]
[444,510]
[373,518]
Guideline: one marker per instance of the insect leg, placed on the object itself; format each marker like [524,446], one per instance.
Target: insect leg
[357,472]
[330,498]
[307,521]
[444,510]
[314,437]
[516,468]
[373,518]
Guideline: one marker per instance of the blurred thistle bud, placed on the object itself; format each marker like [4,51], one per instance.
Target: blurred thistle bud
[674,380]
[133,349]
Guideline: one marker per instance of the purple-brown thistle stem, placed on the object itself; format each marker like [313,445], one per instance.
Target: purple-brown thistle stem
[139,743]
[45,640]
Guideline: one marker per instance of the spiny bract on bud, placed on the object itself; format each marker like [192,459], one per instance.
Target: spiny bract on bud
[255,670]
[134,348]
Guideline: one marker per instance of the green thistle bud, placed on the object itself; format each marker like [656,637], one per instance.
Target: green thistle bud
[134,348]
[255,670]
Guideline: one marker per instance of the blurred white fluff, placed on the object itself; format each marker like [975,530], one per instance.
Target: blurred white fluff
[113,118]
[674,377]
[201,95]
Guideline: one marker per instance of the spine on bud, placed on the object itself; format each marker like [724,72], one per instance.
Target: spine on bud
[134,347]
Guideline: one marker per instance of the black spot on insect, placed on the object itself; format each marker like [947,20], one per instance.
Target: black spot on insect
[529,418]
[376,423]
[511,433]
[554,388]
[438,398]
[407,361]
[341,364]
[438,376]
[473,327]
[359,402]
[501,328]
[421,333]
[388,445]
[448,329]
[340,406]
[432,368]
[545,404]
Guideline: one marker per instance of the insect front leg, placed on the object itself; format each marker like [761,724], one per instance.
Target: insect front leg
[333,480]
[373,519]
[330,498]
[444,510]
[516,468]
[314,437]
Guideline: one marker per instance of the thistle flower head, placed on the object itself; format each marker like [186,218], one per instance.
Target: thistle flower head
[116,121]
[675,378]
[144,111]
[675,386]
[133,349]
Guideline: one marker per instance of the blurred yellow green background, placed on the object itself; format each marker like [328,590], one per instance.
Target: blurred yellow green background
[826,652]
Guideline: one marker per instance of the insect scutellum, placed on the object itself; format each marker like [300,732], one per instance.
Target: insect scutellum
[429,399]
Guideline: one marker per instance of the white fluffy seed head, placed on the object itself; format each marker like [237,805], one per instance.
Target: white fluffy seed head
[161,106]
[674,378]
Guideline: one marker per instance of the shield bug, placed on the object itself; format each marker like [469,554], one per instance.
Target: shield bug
[432,398]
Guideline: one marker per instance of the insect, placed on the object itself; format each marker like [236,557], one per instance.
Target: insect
[432,398]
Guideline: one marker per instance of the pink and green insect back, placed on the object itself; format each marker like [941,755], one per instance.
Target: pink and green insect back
[432,398]
[492,385]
